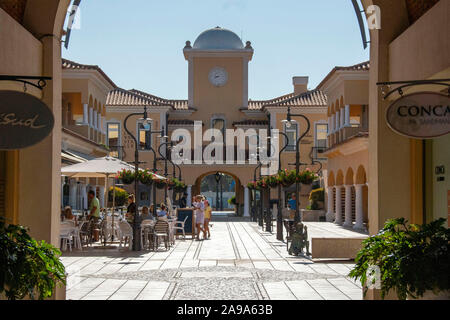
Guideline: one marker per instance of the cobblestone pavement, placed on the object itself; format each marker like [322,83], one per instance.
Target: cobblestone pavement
[239,262]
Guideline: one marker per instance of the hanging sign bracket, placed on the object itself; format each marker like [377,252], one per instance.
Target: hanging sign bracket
[406,84]
[27,80]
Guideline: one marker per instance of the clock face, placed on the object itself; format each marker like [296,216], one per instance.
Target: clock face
[218,77]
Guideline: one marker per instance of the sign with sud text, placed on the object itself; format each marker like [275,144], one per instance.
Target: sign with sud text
[24,120]
[422,115]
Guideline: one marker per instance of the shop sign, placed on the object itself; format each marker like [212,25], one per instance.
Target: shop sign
[24,120]
[422,115]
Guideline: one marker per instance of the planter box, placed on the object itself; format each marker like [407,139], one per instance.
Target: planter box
[312,215]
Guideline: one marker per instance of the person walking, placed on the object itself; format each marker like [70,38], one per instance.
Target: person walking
[208,212]
[199,216]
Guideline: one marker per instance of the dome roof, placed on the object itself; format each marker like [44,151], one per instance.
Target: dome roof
[218,39]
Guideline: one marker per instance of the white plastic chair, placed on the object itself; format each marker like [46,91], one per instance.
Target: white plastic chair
[66,236]
[180,227]
[146,225]
[126,234]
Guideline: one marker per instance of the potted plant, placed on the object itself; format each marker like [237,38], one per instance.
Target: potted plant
[28,268]
[272,181]
[121,196]
[127,176]
[251,185]
[261,184]
[146,177]
[160,184]
[287,177]
[413,261]
[306,178]
[180,186]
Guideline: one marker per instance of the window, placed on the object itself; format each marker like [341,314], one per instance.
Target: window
[219,124]
[320,139]
[145,136]
[113,139]
[321,135]
[292,134]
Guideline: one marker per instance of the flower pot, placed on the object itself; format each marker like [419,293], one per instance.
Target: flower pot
[161,185]
[127,180]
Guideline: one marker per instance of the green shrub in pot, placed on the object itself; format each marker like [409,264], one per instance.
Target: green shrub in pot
[412,259]
[28,268]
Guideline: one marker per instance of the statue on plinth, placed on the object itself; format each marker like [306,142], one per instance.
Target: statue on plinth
[299,240]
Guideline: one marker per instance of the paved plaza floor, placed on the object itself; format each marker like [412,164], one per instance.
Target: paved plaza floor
[239,262]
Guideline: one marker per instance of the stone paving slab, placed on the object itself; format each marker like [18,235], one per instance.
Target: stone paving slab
[238,262]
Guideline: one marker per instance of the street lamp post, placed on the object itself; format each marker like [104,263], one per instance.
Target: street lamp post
[136,231]
[218,177]
[288,123]
[254,213]
[280,209]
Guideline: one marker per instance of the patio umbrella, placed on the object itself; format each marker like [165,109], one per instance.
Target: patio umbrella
[105,167]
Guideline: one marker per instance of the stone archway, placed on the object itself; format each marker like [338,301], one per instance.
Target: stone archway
[206,185]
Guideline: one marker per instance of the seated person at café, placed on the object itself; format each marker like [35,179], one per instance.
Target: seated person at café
[68,215]
[162,214]
[146,215]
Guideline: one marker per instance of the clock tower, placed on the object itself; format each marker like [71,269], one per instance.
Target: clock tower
[218,74]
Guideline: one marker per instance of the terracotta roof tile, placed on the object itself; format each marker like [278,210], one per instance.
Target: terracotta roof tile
[121,97]
[315,98]
[364,66]
[71,65]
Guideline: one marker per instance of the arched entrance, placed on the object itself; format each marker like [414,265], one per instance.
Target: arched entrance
[222,189]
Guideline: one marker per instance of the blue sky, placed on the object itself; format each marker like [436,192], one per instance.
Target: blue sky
[139,43]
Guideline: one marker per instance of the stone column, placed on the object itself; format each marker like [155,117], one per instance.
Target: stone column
[84,200]
[359,225]
[348,207]
[91,117]
[338,200]
[62,191]
[99,123]
[347,116]
[101,196]
[246,202]
[73,193]
[337,122]
[330,212]
[342,118]
[85,114]
[189,196]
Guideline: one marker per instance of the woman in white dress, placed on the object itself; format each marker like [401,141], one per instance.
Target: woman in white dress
[199,216]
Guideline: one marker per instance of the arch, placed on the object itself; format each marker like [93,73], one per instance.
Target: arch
[349,177]
[237,188]
[340,178]
[91,101]
[332,109]
[46,17]
[331,181]
[361,176]
[341,102]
